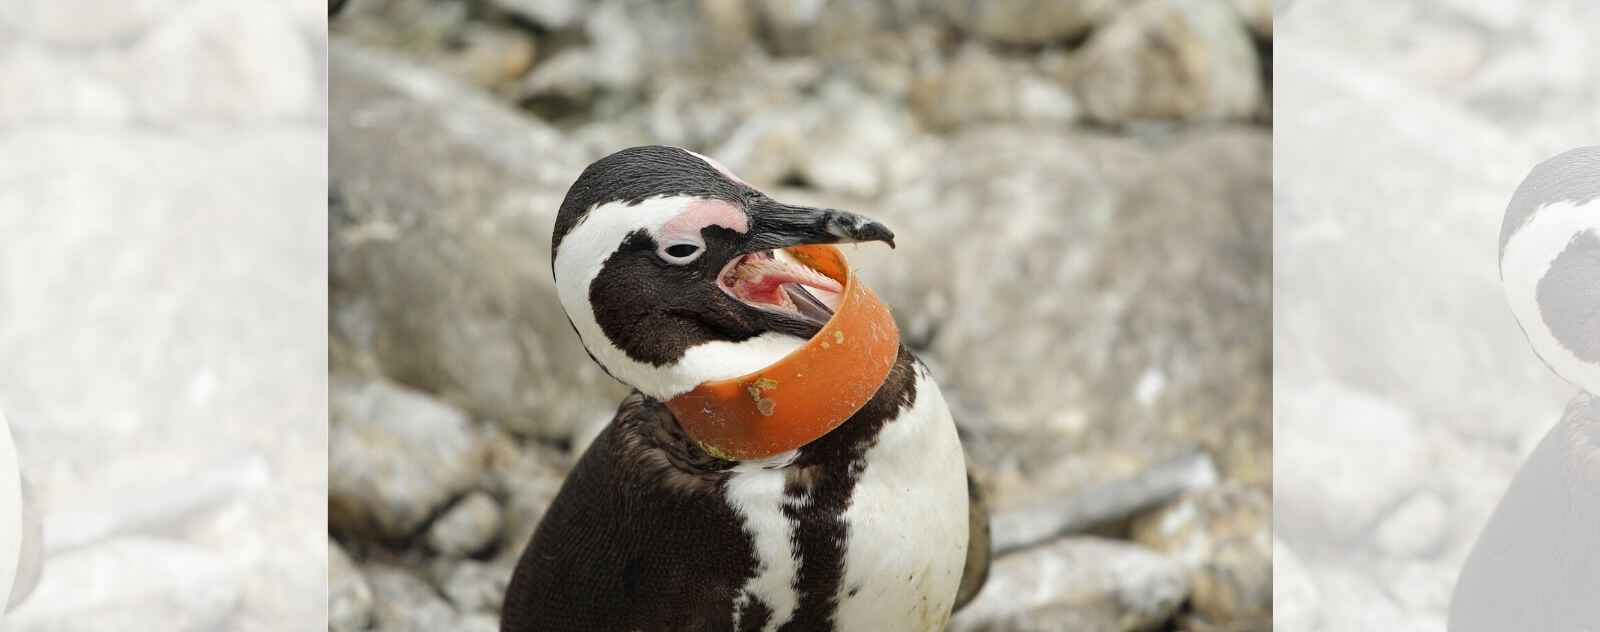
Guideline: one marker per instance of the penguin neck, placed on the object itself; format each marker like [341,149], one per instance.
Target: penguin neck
[802,397]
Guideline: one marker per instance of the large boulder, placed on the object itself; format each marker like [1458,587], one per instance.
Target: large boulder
[1085,584]
[1027,22]
[1170,60]
[441,211]
[1077,283]
[396,457]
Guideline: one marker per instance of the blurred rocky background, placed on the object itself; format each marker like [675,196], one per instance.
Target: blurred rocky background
[1081,191]
[162,347]
[1406,393]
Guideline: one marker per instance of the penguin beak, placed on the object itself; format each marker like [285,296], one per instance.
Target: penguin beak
[774,225]
[765,277]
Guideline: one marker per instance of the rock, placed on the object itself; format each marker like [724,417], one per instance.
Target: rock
[172,72]
[1006,211]
[281,537]
[1421,586]
[349,596]
[1027,22]
[395,458]
[1223,536]
[1354,602]
[84,23]
[475,586]
[615,60]
[1416,528]
[1354,456]
[1023,524]
[1353,224]
[1169,60]
[490,56]
[699,111]
[978,86]
[406,603]
[1296,603]
[550,14]
[836,29]
[845,142]
[1087,584]
[466,528]
[439,248]
[178,587]
[528,476]
[1257,15]
[477,622]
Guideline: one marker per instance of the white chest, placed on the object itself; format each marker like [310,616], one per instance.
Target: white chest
[906,525]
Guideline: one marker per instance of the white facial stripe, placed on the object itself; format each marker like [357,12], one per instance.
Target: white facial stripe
[1528,255]
[578,261]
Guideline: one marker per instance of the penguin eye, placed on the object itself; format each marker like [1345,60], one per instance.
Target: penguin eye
[681,253]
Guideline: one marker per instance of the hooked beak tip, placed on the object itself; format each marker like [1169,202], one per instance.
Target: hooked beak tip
[858,229]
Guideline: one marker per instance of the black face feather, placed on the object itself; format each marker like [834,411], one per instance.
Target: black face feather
[655,311]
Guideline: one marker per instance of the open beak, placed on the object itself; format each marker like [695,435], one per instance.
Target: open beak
[766,277]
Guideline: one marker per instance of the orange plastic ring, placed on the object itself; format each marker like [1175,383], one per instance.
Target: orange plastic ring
[809,392]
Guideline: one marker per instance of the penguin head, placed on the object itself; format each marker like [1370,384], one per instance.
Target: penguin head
[673,271]
[1550,263]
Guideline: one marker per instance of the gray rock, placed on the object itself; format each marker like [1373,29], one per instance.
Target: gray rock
[1005,212]
[1353,221]
[1354,455]
[822,28]
[489,55]
[550,14]
[528,476]
[1352,601]
[395,458]
[1257,14]
[83,23]
[1170,60]
[1086,584]
[1223,536]
[477,622]
[175,586]
[1296,602]
[168,71]
[978,85]
[1415,528]
[843,142]
[349,595]
[1087,506]
[475,586]
[1027,21]
[440,248]
[406,603]
[254,47]
[468,527]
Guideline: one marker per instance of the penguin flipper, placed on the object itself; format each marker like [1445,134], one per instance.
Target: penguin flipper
[976,570]
[1536,565]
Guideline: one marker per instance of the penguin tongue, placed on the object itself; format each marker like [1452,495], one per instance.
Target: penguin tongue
[774,280]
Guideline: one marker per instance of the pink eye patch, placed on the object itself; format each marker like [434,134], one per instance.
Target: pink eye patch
[700,214]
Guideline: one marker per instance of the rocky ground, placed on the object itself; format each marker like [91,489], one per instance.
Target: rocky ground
[1406,394]
[161,349]
[1082,196]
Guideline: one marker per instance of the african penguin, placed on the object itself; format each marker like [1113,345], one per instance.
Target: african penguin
[673,274]
[1536,564]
